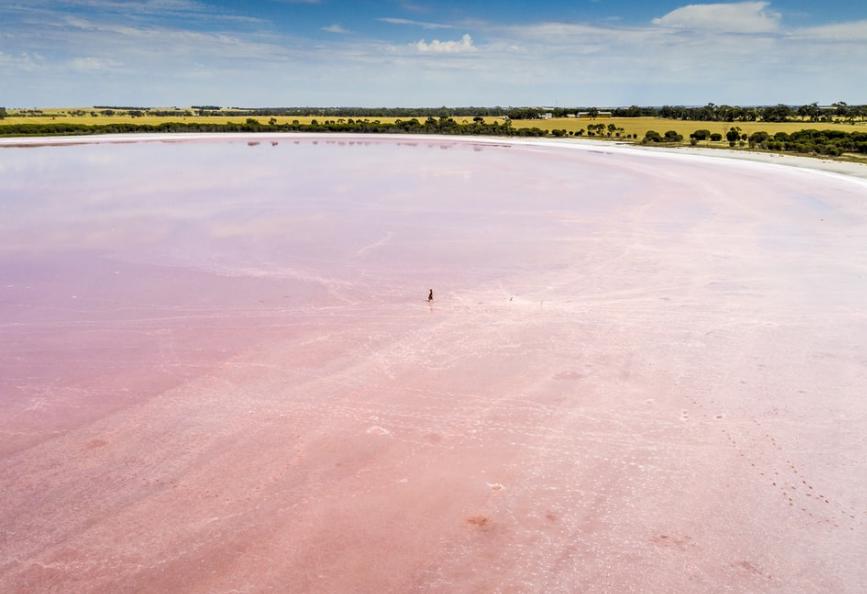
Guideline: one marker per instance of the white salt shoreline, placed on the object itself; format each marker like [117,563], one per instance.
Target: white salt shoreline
[853,171]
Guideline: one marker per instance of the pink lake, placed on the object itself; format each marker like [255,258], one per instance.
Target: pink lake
[641,372]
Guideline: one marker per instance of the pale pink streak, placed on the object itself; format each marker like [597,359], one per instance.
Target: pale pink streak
[219,371]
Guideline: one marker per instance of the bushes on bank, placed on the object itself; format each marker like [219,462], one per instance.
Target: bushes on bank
[412,126]
[820,142]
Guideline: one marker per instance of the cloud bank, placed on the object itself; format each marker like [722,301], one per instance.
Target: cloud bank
[106,51]
[742,17]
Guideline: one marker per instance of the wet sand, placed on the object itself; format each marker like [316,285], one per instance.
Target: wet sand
[642,372]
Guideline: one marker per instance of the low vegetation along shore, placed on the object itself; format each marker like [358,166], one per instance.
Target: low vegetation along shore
[827,134]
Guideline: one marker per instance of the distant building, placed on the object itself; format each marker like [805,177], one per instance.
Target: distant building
[546,115]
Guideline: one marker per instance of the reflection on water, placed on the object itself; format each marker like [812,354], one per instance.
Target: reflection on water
[250,206]
[184,252]
[129,268]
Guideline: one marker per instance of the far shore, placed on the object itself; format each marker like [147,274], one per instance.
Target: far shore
[817,164]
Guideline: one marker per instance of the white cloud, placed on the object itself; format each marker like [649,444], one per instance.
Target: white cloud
[161,7]
[413,6]
[93,64]
[412,23]
[740,17]
[680,58]
[335,28]
[24,61]
[462,45]
[843,32]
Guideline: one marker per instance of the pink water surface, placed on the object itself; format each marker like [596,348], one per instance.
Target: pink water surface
[219,371]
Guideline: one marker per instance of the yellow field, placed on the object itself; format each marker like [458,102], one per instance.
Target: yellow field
[641,125]
[59,117]
[638,126]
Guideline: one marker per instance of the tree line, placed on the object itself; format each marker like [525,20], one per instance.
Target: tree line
[711,112]
[430,125]
[820,142]
[353,112]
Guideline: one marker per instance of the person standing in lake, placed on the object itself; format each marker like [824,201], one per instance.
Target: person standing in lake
[430,295]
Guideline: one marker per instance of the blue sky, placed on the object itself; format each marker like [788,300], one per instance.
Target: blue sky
[430,53]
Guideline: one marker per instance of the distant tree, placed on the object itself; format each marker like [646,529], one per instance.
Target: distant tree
[841,109]
[672,136]
[759,138]
[652,136]
[716,137]
[701,134]
[776,113]
[2,113]
[709,113]
[811,112]
[272,122]
[524,113]
[733,135]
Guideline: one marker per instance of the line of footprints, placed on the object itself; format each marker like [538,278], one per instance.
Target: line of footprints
[791,484]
